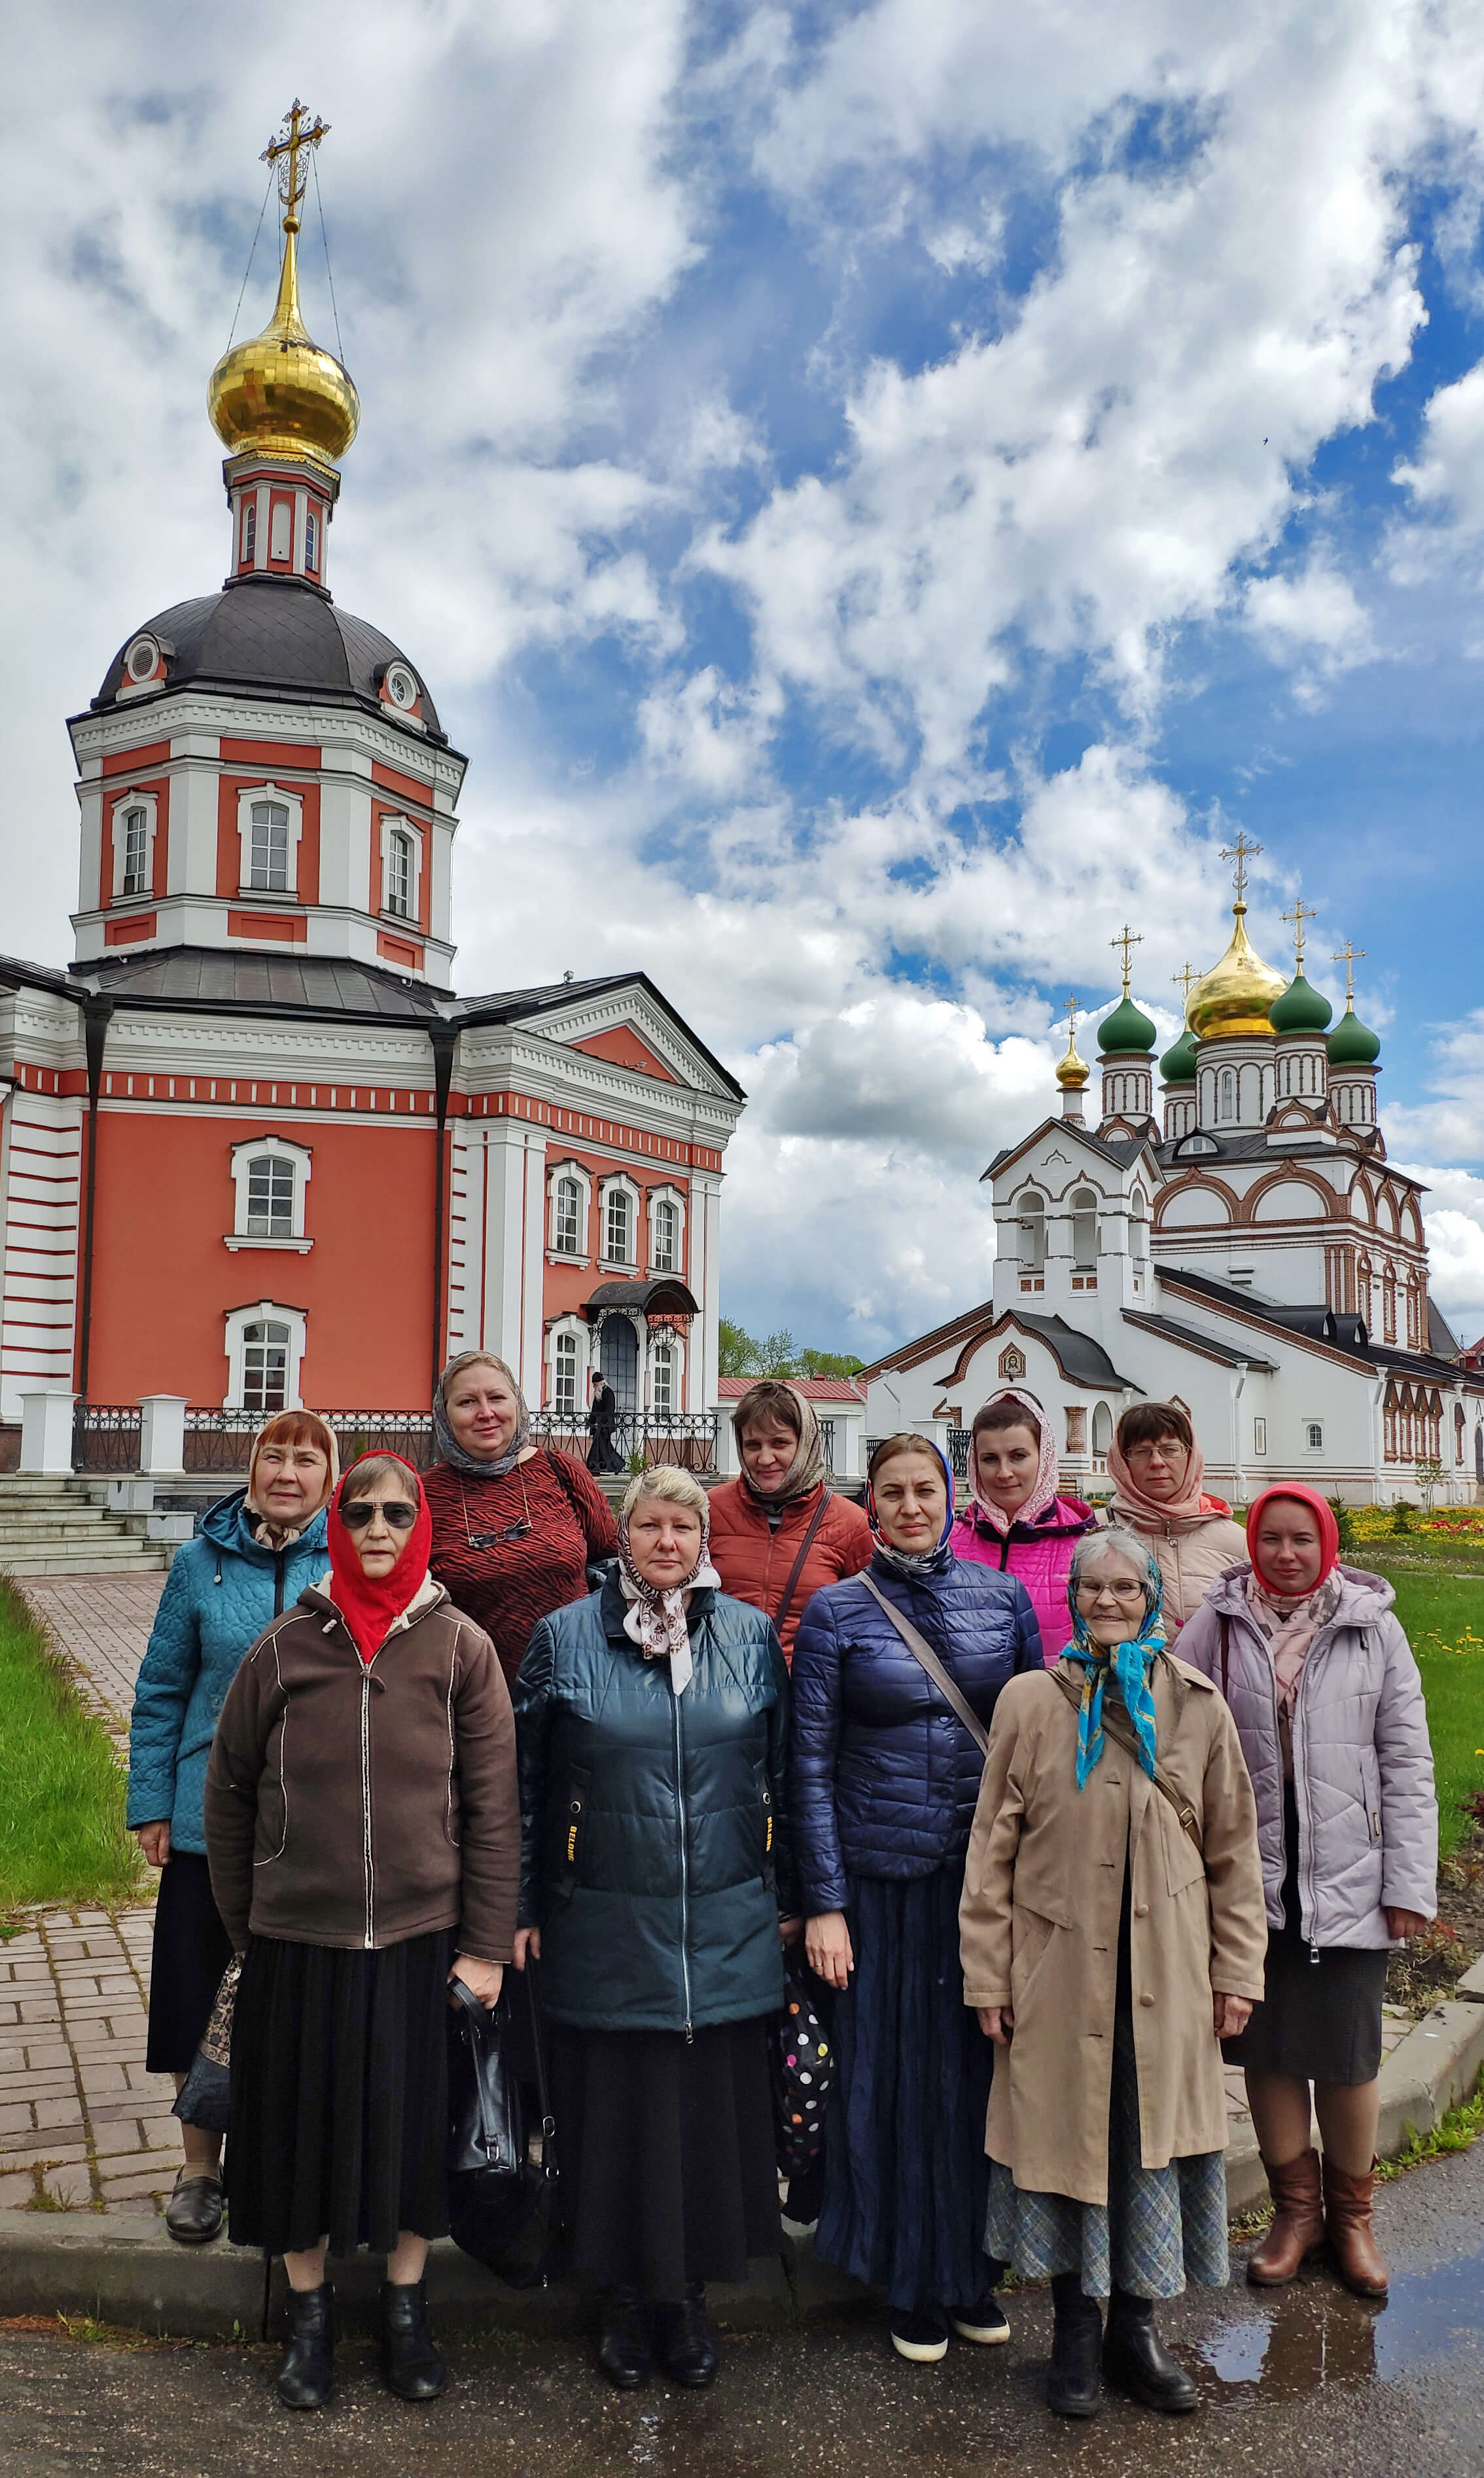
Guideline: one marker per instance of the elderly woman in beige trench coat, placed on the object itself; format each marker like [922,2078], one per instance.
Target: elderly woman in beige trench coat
[1113,1929]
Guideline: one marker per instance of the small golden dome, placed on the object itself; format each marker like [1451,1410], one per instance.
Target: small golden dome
[280,393]
[1072,1071]
[1236,993]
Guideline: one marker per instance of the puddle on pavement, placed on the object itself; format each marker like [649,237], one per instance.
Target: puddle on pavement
[1315,2333]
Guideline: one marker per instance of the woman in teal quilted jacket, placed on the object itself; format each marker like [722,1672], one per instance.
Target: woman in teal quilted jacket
[651,1721]
[256,1551]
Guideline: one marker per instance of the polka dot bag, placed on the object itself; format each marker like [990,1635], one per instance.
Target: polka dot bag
[805,2069]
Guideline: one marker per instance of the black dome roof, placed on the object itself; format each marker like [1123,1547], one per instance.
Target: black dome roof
[272,634]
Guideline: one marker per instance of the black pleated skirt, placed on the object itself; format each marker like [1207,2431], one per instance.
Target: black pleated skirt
[906,2180]
[339,2095]
[192,1948]
[1319,2021]
[668,2152]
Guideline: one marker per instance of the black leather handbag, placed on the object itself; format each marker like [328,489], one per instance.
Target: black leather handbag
[493,2185]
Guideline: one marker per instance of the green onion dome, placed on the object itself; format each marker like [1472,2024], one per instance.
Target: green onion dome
[1352,1044]
[1301,1009]
[1179,1064]
[1128,1027]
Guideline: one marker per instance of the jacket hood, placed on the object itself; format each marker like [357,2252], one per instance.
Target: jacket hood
[315,1596]
[228,1525]
[1364,1597]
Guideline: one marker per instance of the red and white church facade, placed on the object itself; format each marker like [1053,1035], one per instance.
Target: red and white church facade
[253,1149]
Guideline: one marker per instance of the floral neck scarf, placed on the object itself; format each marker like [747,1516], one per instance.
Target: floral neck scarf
[1130,1663]
[656,1619]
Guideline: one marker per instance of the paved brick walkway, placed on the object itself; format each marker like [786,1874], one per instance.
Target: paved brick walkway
[82,2125]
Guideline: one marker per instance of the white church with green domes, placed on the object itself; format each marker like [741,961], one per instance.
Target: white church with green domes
[1244,1249]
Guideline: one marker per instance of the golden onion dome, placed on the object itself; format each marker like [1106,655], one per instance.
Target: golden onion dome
[280,393]
[1072,1071]
[1234,996]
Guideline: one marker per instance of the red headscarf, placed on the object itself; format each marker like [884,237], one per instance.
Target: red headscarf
[367,1606]
[1328,1530]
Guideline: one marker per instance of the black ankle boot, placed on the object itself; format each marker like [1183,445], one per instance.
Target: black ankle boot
[1136,2360]
[683,2336]
[624,2338]
[1074,2386]
[409,2365]
[308,2371]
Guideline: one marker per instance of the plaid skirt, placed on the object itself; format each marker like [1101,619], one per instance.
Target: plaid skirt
[1159,2228]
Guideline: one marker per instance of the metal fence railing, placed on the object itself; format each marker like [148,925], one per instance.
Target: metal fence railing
[106,1436]
[218,1440]
[687,1438]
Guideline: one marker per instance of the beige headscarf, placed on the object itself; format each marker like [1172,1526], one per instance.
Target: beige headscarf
[807,1469]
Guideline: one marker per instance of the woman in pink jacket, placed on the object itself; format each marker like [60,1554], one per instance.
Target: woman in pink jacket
[1015,1520]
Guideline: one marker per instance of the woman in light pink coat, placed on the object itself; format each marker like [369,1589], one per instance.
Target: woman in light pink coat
[1015,1520]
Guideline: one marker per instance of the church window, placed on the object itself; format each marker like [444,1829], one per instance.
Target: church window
[1139,1225]
[399,875]
[249,531]
[1313,1436]
[143,660]
[136,851]
[662,1380]
[1084,1229]
[1389,1304]
[268,862]
[667,1230]
[1102,1429]
[1259,1436]
[1227,1094]
[565,1377]
[1458,1432]
[264,1367]
[1033,1233]
[311,542]
[280,530]
[401,687]
[567,1228]
[270,1192]
[618,1226]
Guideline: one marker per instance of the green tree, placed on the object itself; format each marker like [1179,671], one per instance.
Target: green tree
[778,1354]
[829,1363]
[737,1354]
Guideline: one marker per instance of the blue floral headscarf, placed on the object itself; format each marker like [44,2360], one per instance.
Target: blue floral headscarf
[1129,1662]
[915,1563]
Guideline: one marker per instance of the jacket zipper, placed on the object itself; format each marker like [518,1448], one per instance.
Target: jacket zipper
[1303,1680]
[365,1802]
[685,1869]
[279,1556]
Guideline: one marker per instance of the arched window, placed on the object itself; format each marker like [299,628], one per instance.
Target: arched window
[1139,1225]
[399,875]
[1227,1094]
[662,1380]
[618,1228]
[667,1232]
[1084,1229]
[264,1367]
[312,542]
[1033,1231]
[1389,1304]
[1313,1436]
[270,1186]
[567,1229]
[269,861]
[136,851]
[249,530]
[563,1385]
[1458,1432]
[1102,1429]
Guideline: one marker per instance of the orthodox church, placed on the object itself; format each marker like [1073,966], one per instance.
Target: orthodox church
[1250,1253]
[253,1148]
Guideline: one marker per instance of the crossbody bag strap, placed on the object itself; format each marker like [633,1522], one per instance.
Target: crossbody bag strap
[805,1545]
[921,1650]
[1117,1727]
[1227,1660]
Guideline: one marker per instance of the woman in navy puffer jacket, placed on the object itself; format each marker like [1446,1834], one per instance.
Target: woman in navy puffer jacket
[885,1778]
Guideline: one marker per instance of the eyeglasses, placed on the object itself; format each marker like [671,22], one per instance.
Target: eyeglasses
[1128,1591]
[361,1511]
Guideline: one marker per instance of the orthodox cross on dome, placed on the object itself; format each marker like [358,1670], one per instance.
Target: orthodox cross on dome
[1301,912]
[285,152]
[1074,1010]
[1349,956]
[1185,976]
[1128,940]
[1240,851]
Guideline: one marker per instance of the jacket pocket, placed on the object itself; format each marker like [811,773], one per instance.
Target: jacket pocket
[1370,1792]
[1031,1937]
[571,1834]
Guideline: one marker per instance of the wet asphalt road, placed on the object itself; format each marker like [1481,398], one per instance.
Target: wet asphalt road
[1305,2382]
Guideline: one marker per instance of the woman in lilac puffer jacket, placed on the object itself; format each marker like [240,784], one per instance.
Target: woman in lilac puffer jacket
[1015,1520]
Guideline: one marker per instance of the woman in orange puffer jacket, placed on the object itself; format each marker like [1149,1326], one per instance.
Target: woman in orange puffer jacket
[760,1523]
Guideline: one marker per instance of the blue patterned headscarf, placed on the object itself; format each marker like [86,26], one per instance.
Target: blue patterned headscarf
[1129,1662]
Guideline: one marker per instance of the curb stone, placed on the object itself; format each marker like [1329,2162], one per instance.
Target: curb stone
[128,2271]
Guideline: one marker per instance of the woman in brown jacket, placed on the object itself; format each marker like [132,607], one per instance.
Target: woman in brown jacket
[1113,1929]
[363,1831]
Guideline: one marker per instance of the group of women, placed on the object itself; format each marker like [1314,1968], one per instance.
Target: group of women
[1035,1868]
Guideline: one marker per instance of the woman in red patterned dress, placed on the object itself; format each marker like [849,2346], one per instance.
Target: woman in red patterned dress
[515,1523]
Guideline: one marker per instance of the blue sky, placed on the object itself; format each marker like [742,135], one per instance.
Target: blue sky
[882,492]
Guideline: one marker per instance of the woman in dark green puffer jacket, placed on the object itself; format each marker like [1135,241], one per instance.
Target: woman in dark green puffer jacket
[651,1723]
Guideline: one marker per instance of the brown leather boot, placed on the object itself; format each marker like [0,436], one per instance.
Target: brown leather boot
[1298,2228]
[1351,2237]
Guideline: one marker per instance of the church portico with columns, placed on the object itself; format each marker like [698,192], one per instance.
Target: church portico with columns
[1251,1254]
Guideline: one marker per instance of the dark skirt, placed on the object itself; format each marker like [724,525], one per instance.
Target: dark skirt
[1320,2021]
[339,2095]
[906,2180]
[192,1948]
[667,2151]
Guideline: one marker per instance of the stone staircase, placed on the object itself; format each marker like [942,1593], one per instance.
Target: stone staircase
[66,1527]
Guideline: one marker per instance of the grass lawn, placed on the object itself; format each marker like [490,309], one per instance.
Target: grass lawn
[62,1791]
[1444,1616]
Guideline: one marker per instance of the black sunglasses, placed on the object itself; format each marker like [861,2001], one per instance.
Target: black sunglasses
[490,1539]
[359,1512]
